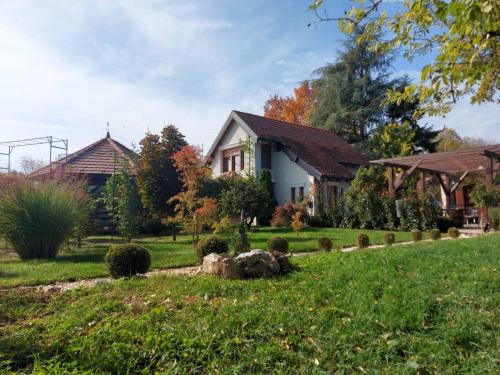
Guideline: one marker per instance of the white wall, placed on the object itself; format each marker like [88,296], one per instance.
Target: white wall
[287,174]
[233,137]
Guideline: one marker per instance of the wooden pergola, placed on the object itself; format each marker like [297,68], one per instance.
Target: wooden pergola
[450,168]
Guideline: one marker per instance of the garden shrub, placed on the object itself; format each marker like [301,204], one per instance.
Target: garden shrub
[416,235]
[409,209]
[127,260]
[363,241]
[279,244]
[283,214]
[225,226]
[153,227]
[242,244]
[37,219]
[453,232]
[444,223]
[435,234]
[325,244]
[209,245]
[494,214]
[316,221]
[389,238]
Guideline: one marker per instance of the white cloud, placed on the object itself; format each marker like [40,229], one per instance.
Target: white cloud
[472,120]
[69,67]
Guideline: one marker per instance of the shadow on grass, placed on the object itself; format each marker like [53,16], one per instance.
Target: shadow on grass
[83,256]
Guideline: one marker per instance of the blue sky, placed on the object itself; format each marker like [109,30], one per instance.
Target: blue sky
[67,68]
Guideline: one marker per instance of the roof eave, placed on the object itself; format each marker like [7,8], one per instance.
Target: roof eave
[232,116]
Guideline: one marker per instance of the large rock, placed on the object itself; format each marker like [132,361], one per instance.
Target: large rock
[221,265]
[258,263]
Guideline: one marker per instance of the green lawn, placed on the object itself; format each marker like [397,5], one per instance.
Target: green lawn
[431,307]
[89,261]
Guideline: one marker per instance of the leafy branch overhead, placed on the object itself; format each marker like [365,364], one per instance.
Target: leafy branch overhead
[462,36]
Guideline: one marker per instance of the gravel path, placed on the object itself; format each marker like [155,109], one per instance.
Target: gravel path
[64,286]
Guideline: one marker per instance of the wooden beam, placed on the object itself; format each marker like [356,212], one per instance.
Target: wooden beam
[404,175]
[460,180]
[445,183]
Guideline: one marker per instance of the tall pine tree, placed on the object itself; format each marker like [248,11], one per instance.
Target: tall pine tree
[352,90]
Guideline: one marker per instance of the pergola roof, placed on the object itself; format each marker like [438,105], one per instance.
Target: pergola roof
[450,162]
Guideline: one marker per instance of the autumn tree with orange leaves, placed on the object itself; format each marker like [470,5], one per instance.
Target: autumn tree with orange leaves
[192,210]
[296,108]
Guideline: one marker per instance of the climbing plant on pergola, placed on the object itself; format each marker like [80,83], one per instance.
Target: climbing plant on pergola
[450,168]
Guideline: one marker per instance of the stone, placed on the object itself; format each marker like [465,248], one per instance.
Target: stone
[221,265]
[258,263]
[283,261]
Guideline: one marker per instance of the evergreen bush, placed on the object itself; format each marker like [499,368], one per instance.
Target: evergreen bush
[209,245]
[363,241]
[435,234]
[453,232]
[416,235]
[278,244]
[127,260]
[325,244]
[389,238]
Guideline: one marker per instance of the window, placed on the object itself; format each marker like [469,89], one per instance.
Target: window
[332,195]
[233,163]
[230,159]
[292,194]
[265,156]
[225,165]
[301,193]
[242,160]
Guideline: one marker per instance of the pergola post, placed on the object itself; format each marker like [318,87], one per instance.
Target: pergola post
[421,183]
[445,183]
[390,178]
[489,178]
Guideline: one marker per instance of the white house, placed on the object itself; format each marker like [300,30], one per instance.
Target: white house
[302,159]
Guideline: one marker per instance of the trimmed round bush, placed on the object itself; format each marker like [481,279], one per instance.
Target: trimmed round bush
[153,227]
[389,238]
[416,235]
[279,244]
[363,241]
[325,244]
[212,244]
[127,260]
[435,234]
[453,232]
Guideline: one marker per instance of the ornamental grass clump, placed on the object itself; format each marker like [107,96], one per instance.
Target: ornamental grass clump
[325,244]
[389,238]
[127,260]
[209,245]
[416,235]
[435,234]
[453,232]
[278,244]
[36,219]
[363,241]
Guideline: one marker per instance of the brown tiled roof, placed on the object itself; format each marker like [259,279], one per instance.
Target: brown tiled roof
[452,162]
[105,156]
[321,149]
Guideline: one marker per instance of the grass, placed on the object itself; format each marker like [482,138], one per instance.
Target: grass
[428,308]
[88,262]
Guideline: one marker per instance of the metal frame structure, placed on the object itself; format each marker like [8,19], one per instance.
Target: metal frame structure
[11,145]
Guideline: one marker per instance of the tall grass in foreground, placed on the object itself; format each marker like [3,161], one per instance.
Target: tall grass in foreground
[37,218]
